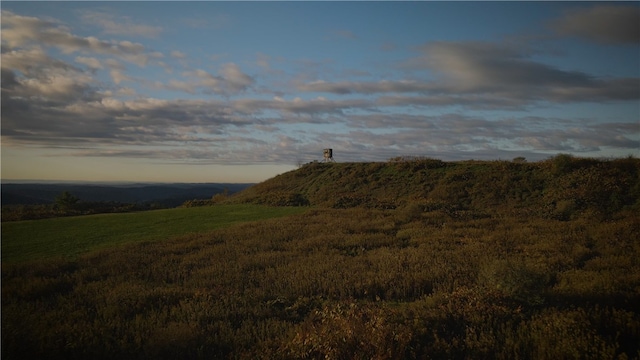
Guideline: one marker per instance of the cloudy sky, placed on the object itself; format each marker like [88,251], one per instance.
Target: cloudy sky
[240,92]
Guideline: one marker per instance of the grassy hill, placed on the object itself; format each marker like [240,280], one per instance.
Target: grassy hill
[561,187]
[410,259]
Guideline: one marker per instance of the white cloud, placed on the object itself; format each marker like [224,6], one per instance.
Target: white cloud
[236,80]
[229,81]
[114,64]
[178,54]
[32,74]
[201,79]
[90,62]
[126,91]
[32,62]
[23,31]
[117,71]
[111,103]
[118,76]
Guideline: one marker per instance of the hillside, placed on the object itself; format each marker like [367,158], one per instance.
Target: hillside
[409,259]
[561,187]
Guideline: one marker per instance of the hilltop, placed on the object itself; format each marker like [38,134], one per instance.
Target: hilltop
[560,187]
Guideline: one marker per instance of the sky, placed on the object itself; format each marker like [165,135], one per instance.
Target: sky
[243,91]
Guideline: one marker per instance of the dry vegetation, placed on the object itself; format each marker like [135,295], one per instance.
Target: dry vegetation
[408,259]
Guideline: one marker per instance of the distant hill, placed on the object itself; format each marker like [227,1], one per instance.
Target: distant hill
[560,187]
[165,194]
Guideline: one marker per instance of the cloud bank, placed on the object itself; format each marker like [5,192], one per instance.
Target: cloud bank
[462,99]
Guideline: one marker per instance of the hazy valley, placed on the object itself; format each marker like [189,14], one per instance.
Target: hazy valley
[32,193]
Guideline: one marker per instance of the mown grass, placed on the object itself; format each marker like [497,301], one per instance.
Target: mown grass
[70,236]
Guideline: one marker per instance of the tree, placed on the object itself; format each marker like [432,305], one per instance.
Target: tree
[66,201]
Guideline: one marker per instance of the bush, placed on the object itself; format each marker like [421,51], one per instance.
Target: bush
[350,332]
[515,280]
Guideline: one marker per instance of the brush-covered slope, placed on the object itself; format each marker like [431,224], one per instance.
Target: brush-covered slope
[561,187]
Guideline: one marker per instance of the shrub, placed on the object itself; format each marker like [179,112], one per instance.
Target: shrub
[515,280]
[350,331]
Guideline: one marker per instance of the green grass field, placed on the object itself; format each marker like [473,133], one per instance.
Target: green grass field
[70,236]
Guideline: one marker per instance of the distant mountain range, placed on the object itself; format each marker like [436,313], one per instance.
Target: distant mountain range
[167,194]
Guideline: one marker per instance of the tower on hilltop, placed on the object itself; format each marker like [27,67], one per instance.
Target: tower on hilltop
[328,155]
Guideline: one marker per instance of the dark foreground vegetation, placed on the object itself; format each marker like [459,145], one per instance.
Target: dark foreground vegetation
[407,259]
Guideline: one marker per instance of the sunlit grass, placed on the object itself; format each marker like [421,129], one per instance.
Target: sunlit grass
[70,236]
